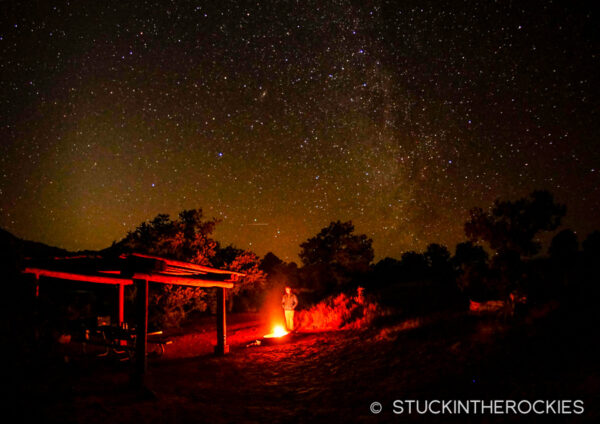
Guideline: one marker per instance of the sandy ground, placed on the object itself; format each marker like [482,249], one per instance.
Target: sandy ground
[323,377]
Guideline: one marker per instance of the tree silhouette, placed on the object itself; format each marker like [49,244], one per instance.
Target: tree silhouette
[336,244]
[279,273]
[251,284]
[591,266]
[591,245]
[438,262]
[270,262]
[413,266]
[470,264]
[386,271]
[188,238]
[564,261]
[512,226]
[564,246]
[511,229]
[336,251]
[469,254]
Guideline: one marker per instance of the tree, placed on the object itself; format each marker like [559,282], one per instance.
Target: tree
[591,268]
[438,262]
[386,271]
[250,286]
[340,253]
[511,229]
[270,262]
[413,266]
[336,244]
[188,239]
[564,246]
[469,254]
[564,262]
[470,264]
[591,245]
[278,272]
[512,226]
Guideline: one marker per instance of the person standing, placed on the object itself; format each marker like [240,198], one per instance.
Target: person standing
[289,303]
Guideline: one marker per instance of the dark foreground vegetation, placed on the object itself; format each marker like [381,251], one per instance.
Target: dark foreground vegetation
[504,317]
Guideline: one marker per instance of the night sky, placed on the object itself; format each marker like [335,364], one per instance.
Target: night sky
[279,117]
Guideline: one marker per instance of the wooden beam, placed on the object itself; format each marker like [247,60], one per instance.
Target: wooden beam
[221,348]
[158,278]
[76,277]
[141,336]
[182,281]
[188,265]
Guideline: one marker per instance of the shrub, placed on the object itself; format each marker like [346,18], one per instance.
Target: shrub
[339,312]
[170,305]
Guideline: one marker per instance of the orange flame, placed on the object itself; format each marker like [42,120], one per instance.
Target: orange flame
[278,331]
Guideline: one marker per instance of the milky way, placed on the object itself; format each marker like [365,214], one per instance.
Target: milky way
[279,117]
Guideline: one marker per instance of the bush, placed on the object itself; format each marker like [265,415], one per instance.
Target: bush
[339,312]
[170,305]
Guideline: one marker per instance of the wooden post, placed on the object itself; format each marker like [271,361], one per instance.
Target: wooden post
[121,288]
[221,348]
[121,305]
[37,285]
[141,340]
[36,309]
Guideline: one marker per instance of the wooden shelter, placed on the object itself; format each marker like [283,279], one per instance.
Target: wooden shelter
[138,269]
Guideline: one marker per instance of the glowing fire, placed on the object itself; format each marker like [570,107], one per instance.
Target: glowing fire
[278,331]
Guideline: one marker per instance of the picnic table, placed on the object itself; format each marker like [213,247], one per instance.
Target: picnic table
[120,340]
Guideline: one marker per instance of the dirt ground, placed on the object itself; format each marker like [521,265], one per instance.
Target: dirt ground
[323,377]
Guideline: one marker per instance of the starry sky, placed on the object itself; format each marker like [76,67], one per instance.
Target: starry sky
[280,116]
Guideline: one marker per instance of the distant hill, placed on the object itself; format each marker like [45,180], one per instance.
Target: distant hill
[14,249]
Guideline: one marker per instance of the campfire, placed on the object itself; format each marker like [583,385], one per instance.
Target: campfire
[278,331]
[277,336]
